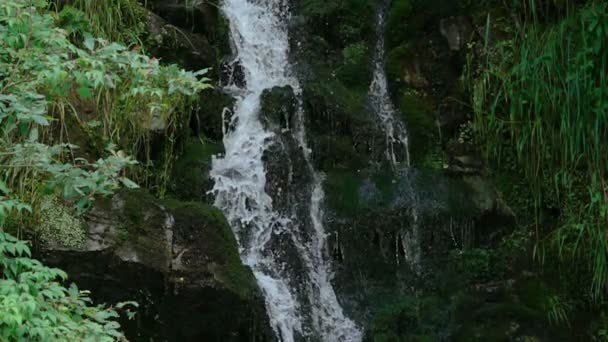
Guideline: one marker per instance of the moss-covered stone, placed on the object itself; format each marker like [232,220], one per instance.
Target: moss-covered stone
[211,114]
[410,319]
[502,312]
[278,107]
[190,50]
[206,228]
[335,38]
[469,308]
[341,130]
[419,116]
[139,233]
[190,177]
[342,188]
[178,260]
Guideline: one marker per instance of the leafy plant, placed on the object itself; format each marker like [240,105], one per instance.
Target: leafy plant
[59,87]
[56,82]
[33,303]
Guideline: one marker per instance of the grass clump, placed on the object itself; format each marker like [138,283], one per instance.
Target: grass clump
[542,97]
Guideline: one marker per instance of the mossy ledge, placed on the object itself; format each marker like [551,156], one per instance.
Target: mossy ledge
[167,253]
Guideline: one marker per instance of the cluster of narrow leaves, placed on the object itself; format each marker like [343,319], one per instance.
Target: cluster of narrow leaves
[544,99]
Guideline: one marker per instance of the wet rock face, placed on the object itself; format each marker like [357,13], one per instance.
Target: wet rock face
[196,16]
[341,129]
[232,74]
[190,179]
[457,31]
[178,260]
[170,44]
[435,212]
[278,107]
[212,114]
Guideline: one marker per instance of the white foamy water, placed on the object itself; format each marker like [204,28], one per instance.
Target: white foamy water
[397,141]
[260,36]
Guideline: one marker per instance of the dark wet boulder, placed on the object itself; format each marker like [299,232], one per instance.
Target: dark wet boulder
[390,231]
[342,130]
[278,108]
[178,260]
[196,16]
[212,114]
[190,179]
[174,45]
[457,31]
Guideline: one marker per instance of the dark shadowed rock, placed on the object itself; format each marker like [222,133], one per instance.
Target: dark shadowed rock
[172,44]
[232,73]
[212,114]
[190,179]
[196,16]
[278,107]
[457,31]
[178,260]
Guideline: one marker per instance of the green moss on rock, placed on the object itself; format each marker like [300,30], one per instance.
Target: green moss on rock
[207,119]
[206,228]
[394,62]
[410,319]
[190,179]
[139,232]
[419,116]
[341,130]
[342,188]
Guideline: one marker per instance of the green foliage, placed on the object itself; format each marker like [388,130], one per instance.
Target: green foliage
[599,330]
[409,319]
[394,61]
[397,24]
[115,20]
[472,265]
[60,86]
[558,310]
[54,90]
[524,10]
[34,306]
[355,63]
[543,97]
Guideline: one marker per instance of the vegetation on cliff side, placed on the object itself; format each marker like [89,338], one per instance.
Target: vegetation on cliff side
[540,104]
[76,112]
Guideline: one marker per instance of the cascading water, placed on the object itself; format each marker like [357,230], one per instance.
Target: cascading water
[397,141]
[396,135]
[300,306]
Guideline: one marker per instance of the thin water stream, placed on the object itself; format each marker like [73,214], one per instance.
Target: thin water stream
[397,140]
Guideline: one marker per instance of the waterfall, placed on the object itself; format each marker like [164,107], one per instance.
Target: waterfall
[300,300]
[397,141]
